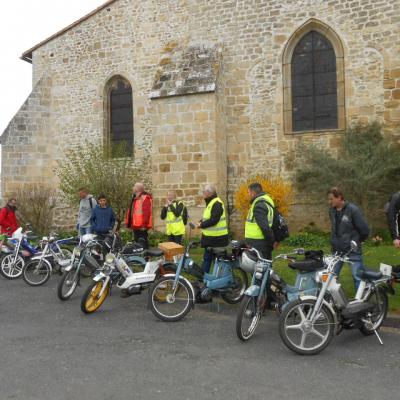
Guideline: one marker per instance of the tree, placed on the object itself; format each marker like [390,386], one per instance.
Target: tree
[101,170]
[366,167]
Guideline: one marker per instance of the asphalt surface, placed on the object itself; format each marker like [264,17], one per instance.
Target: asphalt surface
[50,350]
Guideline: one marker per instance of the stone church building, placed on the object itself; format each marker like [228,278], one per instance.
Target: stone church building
[207,91]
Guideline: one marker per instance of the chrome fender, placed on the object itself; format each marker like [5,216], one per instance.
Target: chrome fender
[187,281]
[44,260]
[330,308]
[99,277]
[253,291]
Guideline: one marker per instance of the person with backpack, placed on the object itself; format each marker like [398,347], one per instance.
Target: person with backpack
[103,218]
[175,215]
[392,210]
[347,225]
[260,217]
[86,205]
[8,219]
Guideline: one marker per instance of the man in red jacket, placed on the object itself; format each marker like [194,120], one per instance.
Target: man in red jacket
[8,220]
[139,216]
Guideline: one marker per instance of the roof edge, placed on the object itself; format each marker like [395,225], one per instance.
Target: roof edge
[27,55]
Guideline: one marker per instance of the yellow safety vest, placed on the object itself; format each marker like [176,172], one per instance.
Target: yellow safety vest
[252,230]
[175,226]
[220,229]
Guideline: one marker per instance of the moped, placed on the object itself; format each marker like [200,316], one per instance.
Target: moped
[269,290]
[308,324]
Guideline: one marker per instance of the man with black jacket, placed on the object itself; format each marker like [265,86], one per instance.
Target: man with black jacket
[175,214]
[393,215]
[347,225]
[258,230]
[213,225]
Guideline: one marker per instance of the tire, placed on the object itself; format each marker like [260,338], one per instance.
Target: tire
[10,270]
[90,303]
[241,284]
[379,313]
[161,300]
[67,284]
[248,311]
[292,312]
[36,272]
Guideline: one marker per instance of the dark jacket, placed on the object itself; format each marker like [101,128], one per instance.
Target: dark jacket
[261,214]
[346,225]
[178,209]
[393,215]
[216,213]
[103,219]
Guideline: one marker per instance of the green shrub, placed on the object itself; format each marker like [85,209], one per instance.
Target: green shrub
[307,240]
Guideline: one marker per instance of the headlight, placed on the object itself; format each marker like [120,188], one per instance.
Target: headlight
[322,276]
[77,251]
[110,258]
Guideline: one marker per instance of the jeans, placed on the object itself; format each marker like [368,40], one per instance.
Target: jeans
[357,264]
[175,238]
[84,231]
[208,258]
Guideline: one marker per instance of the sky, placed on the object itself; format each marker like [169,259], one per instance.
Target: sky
[24,23]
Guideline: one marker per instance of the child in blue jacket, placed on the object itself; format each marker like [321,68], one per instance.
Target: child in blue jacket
[103,218]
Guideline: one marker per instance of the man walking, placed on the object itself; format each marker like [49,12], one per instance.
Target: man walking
[139,216]
[86,205]
[213,225]
[175,215]
[347,225]
[258,228]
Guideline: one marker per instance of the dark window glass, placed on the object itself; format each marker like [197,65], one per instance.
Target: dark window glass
[314,88]
[121,115]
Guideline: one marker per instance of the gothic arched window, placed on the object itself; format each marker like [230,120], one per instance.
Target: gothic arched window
[120,111]
[314,87]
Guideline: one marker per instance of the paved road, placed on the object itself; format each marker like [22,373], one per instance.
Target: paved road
[50,350]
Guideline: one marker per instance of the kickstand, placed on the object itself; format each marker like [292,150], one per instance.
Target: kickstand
[379,338]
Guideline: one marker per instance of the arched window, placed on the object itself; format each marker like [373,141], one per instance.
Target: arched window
[314,90]
[313,68]
[120,114]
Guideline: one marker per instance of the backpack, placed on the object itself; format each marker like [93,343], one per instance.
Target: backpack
[279,225]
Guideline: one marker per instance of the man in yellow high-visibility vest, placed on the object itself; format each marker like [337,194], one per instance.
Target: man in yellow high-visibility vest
[258,229]
[175,215]
[213,225]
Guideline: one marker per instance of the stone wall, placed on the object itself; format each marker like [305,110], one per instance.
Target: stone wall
[244,113]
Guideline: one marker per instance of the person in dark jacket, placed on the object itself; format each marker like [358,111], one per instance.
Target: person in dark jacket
[213,225]
[393,215]
[8,220]
[175,215]
[258,230]
[103,218]
[347,225]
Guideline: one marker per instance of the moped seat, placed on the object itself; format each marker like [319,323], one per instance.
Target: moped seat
[218,251]
[369,274]
[306,265]
[153,253]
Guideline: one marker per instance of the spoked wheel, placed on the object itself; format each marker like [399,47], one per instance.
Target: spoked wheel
[302,335]
[378,298]
[11,268]
[168,304]
[248,317]
[235,295]
[94,296]
[36,272]
[67,284]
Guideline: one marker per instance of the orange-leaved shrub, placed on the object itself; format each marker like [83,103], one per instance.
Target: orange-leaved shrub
[279,190]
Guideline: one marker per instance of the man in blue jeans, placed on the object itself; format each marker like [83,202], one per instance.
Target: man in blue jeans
[347,225]
[86,205]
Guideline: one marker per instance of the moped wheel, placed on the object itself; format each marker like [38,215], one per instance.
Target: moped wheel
[67,284]
[36,272]
[169,305]
[93,297]
[10,269]
[379,299]
[241,282]
[302,335]
[248,317]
